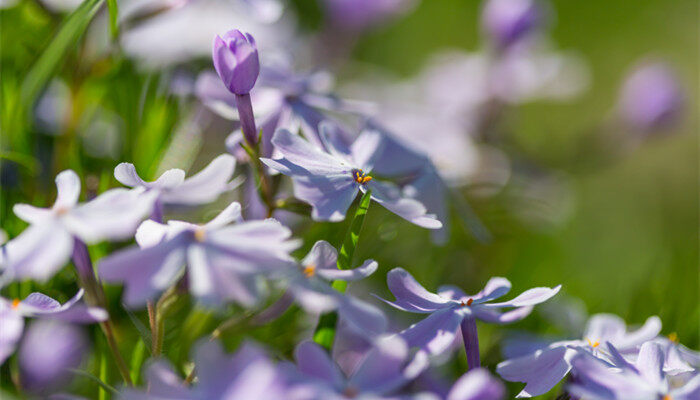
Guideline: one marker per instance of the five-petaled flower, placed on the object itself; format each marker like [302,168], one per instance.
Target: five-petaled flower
[330,179]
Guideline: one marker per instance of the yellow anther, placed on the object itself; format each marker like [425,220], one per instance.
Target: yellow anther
[366,179]
[309,270]
[668,397]
[360,177]
[673,336]
[467,303]
[15,303]
[593,344]
[200,234]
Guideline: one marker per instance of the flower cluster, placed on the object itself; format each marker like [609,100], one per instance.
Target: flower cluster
[299,165]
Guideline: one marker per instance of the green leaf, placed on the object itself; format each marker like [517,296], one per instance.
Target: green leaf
[137,360]
[113,20]
[104,387]
[68,35]
[325,330]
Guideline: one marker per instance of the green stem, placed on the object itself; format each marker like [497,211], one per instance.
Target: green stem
[161,309]
[325,330]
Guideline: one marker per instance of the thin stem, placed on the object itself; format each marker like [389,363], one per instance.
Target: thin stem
[325,330]
[158,328]
[94,295]
[471,342]
[152,321]
[247,118]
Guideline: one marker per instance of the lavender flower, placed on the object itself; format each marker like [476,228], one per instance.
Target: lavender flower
[542,366]
[358,15]
[476,384]
[643,380]
[248,374]
[172,187]
[37,305]
[48,352]
[451,307]
[236,61]
[310,286]
[47,244]
[330,180]
[651,98]
[508,21]
[386,367]
[222,259]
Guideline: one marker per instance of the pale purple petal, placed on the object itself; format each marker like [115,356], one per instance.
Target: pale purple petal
[38,252]
[31,214]
[477,384]
[170,179]
[315,297]
[541,371]
[361,316]
[650,363]
[310,159]
[329,198]
[321,256]
[648,331]
[436,333]
[232,213]
[163,383]
[361,272]
[411,295]
[333,141]
[381,370]
[389,196]
[529,297]
[366,148]
[150,233]
[126,174]
[605,327]
[12,326]
[38,302]
[689,391]
[451,292]
[68,186]
[495,288]
[312,360]
[205,186]
[496,317]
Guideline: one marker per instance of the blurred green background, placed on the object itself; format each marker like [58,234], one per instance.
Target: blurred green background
[629,245]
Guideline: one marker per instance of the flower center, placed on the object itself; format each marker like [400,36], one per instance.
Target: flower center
[668,397]
[309,270]
[673,336]
[350,392]
[467,303]
[593,344]
[360,177]
[61,210]
[200,234]
[15,303]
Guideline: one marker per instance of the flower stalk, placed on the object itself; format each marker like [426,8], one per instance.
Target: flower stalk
[471,342]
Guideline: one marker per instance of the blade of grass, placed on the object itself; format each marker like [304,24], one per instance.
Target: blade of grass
[68,34]
[325,330]
[113,18]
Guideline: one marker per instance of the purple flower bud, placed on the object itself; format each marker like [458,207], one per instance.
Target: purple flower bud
[507,21]
[651,98]
[236,61]
[49,349]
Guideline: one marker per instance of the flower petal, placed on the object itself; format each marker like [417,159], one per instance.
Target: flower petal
[495,288]
[366,148]
[650,363]
[410,295]
[361,272]
[436,333]
[541,371]
[126,174]
[381,369]
[389,196]
[170,179]
[12,326]
[205,186]
[451,292]
[68,187]
[648,331]
[37,253]
[477,384]
[362,317]
[496,317]
[529,297]
[230,214]
[309,159]
[31,214]
[313,361]
[329,198]
[150,233]
[321,256]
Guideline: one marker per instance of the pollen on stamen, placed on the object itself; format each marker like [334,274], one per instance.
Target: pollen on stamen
[667,397]
[593,344]
[309,271]
[15,303]
[360,177]
[673,336]
[467,303]
[200,234]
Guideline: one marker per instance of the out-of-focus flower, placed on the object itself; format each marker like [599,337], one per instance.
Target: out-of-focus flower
[651,98]
[47,244]
[48,352]
[386,367]
[37,305]
[236,61]
[310,286]
[644,379]
[507,21]
[542,365]
[330,180]
[358,15]
[477,384]
[248,374]
[172,187]
[451,307]
[222,260]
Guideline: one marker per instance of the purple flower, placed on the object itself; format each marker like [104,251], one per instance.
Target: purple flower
[172,187]
[222,260]
[386,367]
[48,352]
[651,98]
[451,307]
[644,379]
[476,384]
[542,366]
[357,15]
[310,285]
[508,21]
[236,61]
[37,305]
[249,374]
[47,244]
[330,180]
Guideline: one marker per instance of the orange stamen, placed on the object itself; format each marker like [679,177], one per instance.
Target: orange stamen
[309,271]
[200,234]
[593,344]
[366,179]
[673,336]
[15,303]
[470,301]
[668,397]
